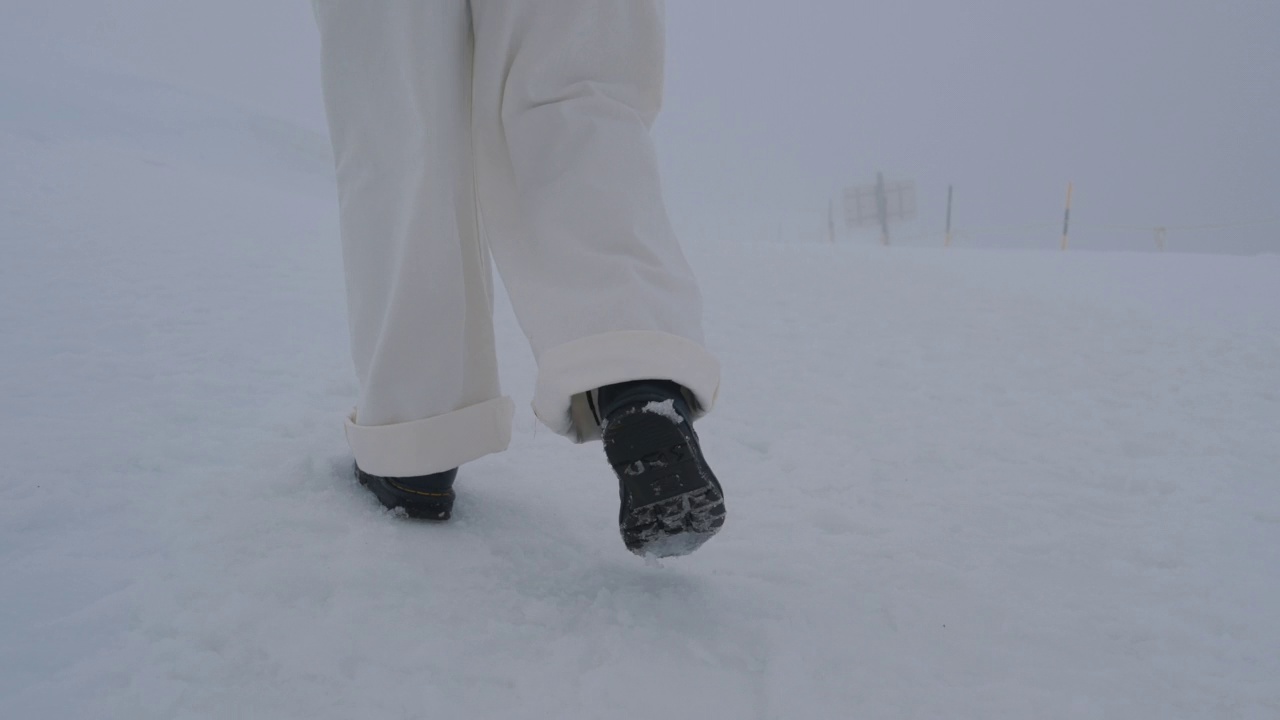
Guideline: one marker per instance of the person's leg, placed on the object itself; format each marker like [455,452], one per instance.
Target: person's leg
[565,94]
[397,85]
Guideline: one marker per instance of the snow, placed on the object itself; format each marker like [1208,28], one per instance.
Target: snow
[665,408]
[961,484]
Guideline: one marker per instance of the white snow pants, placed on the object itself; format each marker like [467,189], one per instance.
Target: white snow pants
[521,128]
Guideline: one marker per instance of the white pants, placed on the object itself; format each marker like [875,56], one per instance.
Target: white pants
[521,128]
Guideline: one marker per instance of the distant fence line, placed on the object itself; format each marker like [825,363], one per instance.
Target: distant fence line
[887,204]
[1158,233]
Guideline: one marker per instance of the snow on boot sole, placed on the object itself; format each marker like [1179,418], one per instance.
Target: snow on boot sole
[671,501]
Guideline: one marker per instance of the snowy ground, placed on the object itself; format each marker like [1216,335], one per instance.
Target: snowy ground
[961,484]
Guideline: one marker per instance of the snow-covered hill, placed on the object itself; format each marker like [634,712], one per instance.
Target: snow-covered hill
[961,484]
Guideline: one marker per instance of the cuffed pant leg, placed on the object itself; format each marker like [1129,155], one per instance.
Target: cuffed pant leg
[397,77]
[432,445]
[565,94]
[566,373]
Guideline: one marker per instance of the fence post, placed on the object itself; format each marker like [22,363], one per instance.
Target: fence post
[947,242]
[882,207]
[1066,218]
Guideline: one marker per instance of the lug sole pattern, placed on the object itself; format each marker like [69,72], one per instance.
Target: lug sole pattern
[671,501]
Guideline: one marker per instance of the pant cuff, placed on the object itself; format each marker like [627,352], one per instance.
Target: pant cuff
[566,373]
[432,445]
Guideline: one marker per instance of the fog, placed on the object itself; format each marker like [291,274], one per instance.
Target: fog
[1161,112]
[995,483]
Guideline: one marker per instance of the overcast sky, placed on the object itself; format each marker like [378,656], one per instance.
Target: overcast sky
[1162,112]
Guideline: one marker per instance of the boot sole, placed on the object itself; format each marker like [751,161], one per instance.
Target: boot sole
[671,501]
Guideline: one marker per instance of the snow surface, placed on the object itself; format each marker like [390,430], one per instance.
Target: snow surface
[961,484]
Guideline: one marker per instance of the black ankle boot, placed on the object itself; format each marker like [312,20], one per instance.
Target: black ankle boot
[671,502]
[426,497]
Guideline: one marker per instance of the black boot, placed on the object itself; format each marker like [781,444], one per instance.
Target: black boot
[671,501]
[426,497]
